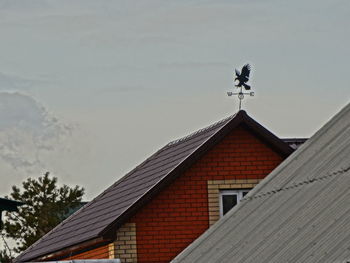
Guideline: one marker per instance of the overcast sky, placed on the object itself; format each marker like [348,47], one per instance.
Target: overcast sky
[89,89]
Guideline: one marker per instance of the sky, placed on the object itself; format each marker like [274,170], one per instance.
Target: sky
[89,89]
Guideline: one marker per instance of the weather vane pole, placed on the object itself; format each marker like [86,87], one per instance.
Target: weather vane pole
[243,78]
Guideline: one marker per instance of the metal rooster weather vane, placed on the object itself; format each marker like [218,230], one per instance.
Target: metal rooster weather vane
[242,78]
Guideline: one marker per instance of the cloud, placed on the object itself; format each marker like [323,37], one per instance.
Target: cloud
[27,131]
[33,141]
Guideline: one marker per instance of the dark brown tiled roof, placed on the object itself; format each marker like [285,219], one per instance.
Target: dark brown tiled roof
[114,206]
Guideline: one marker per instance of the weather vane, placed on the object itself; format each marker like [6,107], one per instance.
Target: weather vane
[243,78]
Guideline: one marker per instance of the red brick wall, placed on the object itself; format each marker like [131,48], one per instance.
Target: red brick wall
[96,253]
[179,214]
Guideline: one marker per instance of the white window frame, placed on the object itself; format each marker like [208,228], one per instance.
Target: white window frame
[238,192]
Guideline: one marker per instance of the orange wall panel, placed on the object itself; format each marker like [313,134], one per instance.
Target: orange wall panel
[96,253]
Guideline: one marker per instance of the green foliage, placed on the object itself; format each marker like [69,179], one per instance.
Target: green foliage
[4,257]
[46,205]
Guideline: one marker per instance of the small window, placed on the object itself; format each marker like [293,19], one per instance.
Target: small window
[230,198]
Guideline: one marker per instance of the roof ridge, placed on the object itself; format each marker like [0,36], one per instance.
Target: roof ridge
[297,184]
[135,169]
[174,142]
[189,136]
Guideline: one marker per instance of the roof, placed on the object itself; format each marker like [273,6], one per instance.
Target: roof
[72,210]
[299,213]
[9,205]
[295,143]
[114,206]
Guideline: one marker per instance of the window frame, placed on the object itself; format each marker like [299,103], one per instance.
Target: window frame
[238,192]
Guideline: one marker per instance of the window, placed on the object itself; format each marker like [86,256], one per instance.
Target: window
[230,198]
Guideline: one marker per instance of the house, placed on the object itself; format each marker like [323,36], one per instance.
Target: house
[161,206]
[299,213]
[8,205]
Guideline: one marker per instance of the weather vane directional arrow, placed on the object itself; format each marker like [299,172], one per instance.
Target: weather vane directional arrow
[242,78]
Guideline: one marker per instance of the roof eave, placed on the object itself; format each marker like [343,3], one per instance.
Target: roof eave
[63,252]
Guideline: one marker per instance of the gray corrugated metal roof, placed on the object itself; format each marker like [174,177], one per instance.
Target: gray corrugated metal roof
[299,213]
[117,202]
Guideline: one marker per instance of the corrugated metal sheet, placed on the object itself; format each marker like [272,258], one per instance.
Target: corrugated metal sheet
[97,216]
[299,213]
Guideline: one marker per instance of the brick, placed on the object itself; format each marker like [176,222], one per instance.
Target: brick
[123,238]
[120,251]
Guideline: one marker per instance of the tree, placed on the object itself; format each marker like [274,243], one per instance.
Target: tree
[5,257]
[45,206]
